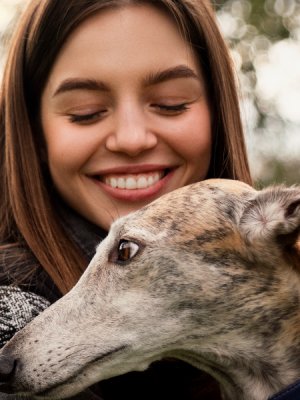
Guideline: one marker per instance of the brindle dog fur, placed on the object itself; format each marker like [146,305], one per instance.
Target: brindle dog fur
[209,274]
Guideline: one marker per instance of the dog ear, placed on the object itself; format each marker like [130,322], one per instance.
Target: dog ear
[274,215]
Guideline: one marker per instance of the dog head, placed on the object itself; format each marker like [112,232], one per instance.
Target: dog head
[206,273]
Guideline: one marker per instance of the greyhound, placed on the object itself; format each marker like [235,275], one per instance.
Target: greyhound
[209,274]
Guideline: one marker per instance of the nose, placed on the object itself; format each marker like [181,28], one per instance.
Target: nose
[130,134]
[7,369]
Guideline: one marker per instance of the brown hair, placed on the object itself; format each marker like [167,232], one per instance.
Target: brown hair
[27,198]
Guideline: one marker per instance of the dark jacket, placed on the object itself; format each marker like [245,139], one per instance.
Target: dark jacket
[164,380]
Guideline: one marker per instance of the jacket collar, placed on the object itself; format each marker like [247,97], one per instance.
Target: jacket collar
[85,234]
[292,392]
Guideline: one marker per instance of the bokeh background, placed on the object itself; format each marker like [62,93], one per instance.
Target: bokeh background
[264,39]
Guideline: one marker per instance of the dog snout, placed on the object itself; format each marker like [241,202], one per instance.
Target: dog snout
[7,369]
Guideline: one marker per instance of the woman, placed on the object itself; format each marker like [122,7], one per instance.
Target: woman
[105,106]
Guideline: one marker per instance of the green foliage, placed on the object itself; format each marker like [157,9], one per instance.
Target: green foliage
[254,29]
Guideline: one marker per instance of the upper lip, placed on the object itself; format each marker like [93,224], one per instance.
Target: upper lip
[132,169]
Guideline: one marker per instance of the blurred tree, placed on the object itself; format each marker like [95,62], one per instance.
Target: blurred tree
[264,36]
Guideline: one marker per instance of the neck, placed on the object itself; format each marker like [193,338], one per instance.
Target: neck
[249,378]
[258,380]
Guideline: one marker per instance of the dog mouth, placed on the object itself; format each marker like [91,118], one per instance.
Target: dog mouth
[56,389]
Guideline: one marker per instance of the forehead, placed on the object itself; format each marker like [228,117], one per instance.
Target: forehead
[115,37]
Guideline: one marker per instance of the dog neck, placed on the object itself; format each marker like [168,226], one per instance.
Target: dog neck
[248,379]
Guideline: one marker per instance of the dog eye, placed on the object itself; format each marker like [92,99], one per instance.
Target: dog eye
[127,250]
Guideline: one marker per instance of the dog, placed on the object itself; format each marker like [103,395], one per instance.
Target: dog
[208,274]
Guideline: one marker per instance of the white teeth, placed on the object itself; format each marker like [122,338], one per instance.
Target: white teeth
[113,182]
[121,183]
[150,180]
[134,181]
[130,183]
[142,182]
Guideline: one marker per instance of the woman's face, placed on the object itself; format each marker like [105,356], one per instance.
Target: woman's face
[125,114]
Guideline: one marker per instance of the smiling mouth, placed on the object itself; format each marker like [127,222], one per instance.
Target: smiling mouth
[134,181]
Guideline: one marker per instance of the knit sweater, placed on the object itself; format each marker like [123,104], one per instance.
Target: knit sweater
[17,308]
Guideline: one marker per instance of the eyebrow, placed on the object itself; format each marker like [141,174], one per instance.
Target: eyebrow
[180,71]
[72,84]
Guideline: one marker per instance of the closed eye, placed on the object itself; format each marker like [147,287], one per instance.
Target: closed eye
[173,109]
[86,119]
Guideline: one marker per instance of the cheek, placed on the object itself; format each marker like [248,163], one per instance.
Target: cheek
[191,137]
[67,148]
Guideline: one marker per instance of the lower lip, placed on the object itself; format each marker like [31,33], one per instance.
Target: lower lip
[136,194]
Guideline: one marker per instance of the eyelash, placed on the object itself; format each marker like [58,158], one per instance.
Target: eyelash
[172,109]
[85,118]
[164,109]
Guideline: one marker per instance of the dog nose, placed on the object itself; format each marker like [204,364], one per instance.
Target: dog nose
[7,369]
